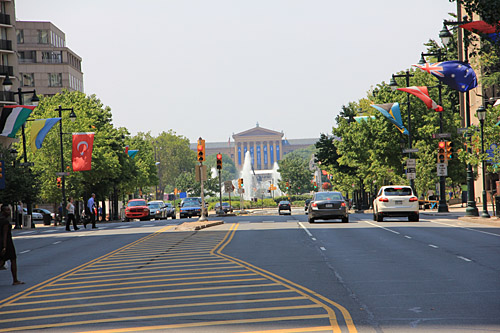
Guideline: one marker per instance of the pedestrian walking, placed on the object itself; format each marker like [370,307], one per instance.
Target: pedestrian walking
[8,251]
[70,208]
[19,217]
[91,210]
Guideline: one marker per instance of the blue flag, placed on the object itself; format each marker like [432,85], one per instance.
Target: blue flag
[455,74]
[392,112]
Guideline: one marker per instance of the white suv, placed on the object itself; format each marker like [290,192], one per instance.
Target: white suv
[395,201]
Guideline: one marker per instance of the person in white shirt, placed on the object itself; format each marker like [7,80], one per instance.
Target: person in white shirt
[70,208]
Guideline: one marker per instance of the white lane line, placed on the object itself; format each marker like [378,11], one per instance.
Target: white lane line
[268,222]
[123,227]
[47,231]
[305,229]
[27,233]
[57,242]
[408,237]
[394,232]
[313,238]
[25,251]
[291,221]
[457,226]
[322,248]
[148,225]
[463,258]
[434,246]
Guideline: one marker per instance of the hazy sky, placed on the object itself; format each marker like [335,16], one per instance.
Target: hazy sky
[212,68]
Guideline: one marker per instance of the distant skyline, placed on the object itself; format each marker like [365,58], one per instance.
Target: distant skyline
[214,68]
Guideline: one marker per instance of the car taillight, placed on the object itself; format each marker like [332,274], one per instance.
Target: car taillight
[343,204]
[383,199]
[314,204]
[413,199]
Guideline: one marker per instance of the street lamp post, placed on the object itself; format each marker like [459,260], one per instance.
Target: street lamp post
[72,116]
[481,115]
[443,206]
[463,55]
[394,85]
[7,85]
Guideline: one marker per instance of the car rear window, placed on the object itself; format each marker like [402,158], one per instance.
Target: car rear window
[329,196]
[397,191]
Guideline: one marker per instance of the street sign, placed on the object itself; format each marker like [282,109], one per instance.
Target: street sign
[411,175]
[411,170]
[62,173]
[411,163]
[228,186]
[442,169]
[461,130]
[412,150]
[203,175]
[441,135]
[241,190]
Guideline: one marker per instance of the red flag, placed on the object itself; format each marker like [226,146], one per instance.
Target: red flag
[423,94]
[82,151]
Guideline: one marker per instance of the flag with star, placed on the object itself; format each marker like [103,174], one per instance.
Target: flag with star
[457,75]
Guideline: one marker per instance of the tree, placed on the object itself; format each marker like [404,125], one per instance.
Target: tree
[294,170]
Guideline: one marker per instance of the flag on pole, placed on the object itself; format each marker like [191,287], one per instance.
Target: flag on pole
[423,94]
[13,117]
[392,112]
[126,149]
[83,144]
[455,74]
[132,153]
[480,27]
[39,129]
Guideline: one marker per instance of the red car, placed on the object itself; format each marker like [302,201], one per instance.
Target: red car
[137,209]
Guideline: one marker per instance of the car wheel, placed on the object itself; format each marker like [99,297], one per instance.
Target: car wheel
[310,219]
[126,219]
[374,216]
[173,217]
[413,218]
[380,218]
[345,219]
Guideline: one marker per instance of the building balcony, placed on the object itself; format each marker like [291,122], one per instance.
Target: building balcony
[5,44]
[6,70]
[27,61]
[4,19]
[52,61]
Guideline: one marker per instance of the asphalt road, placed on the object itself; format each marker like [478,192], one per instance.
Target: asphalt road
[258,273]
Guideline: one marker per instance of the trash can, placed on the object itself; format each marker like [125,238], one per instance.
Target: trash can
[497,205]
[27,221]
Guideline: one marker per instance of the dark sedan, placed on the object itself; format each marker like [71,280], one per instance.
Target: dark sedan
[190,209]
[328,205]
[284,205]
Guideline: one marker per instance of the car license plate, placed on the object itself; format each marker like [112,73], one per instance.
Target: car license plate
[329,205]
[399,202]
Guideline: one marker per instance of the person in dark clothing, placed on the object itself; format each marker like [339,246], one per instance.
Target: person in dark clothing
[91,209]
[8,251]
[70,208]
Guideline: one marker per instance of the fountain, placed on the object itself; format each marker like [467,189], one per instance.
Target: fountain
[252,184]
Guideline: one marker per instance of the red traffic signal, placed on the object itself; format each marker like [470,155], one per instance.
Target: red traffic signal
[201,150]
[219,161]
[59,182]
[442,152]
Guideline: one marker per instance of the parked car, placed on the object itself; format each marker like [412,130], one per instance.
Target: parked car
[47,215]
[136,209]
[169,211]
[285,205]
[190,209]
[191,199]
[156,209]
[34,215]
[328,205]
[397,201]
[306,207]
[225,207]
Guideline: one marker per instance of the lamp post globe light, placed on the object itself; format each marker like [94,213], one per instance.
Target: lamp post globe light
[394,85]
[463,55]
[7,86]
[481,115]
[443,206]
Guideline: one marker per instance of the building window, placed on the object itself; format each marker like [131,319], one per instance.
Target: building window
[265,153]
[27,79]
[43,36]
[55,79]
[20,36]
[52,57]
[239,155]
[27,57]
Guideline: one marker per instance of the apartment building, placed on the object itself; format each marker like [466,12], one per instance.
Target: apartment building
[45,63]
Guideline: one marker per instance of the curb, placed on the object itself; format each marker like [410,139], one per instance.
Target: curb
[193,226]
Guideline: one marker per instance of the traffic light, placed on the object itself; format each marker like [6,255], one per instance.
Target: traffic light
[59,182]
[449,150]
[442,152]
[2,171]
[240,182]
[219,161]
[201,150]
[287,186]
[315,186]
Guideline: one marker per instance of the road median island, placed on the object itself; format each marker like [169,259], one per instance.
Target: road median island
[197,225]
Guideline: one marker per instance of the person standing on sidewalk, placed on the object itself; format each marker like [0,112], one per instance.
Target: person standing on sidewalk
[7,249]
[91,210]
[70,208]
